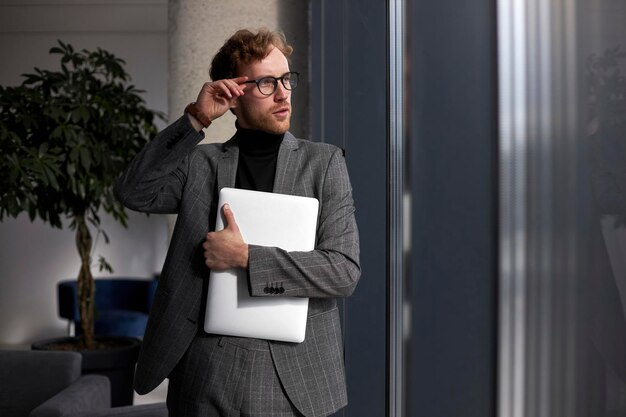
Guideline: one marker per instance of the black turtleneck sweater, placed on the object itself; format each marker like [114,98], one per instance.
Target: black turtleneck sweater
[258,153]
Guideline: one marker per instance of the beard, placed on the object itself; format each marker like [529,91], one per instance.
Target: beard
[266,122]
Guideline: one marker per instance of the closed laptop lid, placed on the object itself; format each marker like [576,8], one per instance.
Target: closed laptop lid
[266,219]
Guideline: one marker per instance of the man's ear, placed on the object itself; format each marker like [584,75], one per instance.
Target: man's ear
[234,104]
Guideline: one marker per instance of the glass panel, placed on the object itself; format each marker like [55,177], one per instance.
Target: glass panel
[450,271]
[603,100]
[563,205]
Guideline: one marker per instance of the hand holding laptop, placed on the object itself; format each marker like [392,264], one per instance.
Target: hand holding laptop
[226,249]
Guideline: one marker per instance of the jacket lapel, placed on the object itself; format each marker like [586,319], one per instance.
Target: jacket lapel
[227,165]
[286,165]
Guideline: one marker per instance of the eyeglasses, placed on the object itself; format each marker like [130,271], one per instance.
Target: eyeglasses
[267,85]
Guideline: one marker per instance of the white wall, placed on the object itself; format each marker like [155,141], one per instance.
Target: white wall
[33,256]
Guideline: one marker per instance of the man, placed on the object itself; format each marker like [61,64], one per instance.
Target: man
[214,375]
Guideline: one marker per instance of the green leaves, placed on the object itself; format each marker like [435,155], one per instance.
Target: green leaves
[66,135]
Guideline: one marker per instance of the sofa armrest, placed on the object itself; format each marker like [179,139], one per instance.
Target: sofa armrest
[149,410]
[89,392]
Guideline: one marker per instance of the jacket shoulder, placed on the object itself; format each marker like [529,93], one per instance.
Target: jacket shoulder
[314,147]
[209,151]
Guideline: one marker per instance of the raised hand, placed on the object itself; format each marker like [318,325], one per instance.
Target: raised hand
[216,97]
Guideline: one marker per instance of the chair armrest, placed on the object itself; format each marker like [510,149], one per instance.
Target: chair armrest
[89,392]
[149,410]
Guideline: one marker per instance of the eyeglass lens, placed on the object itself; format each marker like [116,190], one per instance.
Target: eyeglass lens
[268,85]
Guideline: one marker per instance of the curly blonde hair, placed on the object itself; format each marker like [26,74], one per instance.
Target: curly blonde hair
[243,48]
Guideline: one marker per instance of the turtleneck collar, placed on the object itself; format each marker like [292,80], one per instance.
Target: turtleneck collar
[256,142]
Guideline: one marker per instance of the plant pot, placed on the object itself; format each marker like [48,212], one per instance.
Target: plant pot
[115,359]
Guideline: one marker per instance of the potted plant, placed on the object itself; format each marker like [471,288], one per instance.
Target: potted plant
[66,136]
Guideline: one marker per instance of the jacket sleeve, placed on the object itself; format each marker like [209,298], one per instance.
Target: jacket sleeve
[332,269]
[154,180]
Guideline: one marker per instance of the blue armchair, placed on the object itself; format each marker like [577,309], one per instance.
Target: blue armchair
[122,305]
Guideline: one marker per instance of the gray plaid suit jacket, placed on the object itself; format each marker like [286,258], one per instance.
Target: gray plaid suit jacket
[173,174]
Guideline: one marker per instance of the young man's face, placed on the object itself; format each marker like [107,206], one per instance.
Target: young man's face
[254,110]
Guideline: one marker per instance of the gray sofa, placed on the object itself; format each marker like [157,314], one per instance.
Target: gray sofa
[50,384]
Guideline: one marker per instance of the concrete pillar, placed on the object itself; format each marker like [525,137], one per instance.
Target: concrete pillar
[198,28]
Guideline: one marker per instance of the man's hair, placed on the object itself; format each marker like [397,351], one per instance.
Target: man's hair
[243,48]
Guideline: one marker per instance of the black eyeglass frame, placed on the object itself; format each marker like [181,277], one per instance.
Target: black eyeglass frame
[276,79]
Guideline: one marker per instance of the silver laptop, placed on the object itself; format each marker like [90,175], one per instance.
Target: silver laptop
[267,219]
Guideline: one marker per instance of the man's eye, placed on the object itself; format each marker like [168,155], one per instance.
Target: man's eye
[266,82]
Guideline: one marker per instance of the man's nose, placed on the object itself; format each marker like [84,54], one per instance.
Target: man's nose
[281,92]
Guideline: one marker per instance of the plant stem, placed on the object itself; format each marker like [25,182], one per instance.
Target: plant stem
[86,288]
